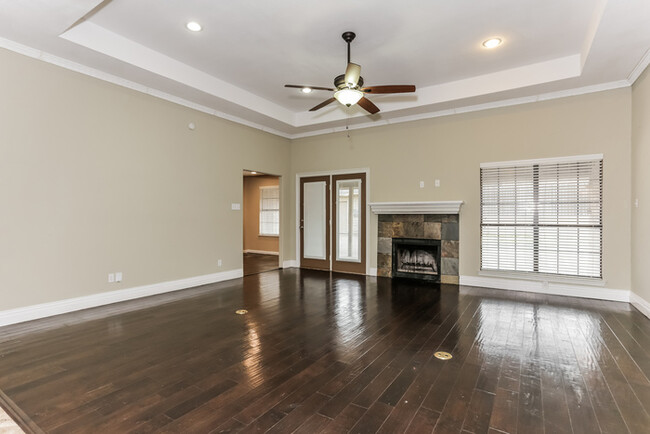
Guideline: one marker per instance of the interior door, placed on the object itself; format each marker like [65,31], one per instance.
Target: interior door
[349,223]
[315,222]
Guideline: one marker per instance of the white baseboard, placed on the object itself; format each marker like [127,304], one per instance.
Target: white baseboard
[290,264]
[551,288]
[262,252]
[28,313]
[640,303]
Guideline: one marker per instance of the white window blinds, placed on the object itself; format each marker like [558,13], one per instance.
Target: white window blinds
[543,216]
[270,210]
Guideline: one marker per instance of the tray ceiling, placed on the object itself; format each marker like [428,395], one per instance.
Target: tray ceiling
[237,65]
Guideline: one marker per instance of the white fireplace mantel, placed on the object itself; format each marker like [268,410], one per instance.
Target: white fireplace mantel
[437,207]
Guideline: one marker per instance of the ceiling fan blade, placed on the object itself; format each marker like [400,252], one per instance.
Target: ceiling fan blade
[299,86]
[396,88]
[323,104]
[368,106]
[352,74]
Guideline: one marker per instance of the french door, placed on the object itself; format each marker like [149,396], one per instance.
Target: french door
[333,205]
[314,222]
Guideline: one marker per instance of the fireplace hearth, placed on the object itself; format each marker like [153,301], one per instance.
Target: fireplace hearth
[416,258]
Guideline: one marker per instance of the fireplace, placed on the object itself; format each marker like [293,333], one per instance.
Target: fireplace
[416,258]
[441,228]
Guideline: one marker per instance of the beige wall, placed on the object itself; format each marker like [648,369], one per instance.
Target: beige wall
[451,149]
[96,178]
[641,185]
[251,208]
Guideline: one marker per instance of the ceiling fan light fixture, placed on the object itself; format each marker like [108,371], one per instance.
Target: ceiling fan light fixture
[347,96]
[193,26]
[306,90]
[492,42]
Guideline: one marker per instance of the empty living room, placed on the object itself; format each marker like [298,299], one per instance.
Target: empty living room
[325,217]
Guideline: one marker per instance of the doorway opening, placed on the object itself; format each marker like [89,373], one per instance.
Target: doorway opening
[261,213]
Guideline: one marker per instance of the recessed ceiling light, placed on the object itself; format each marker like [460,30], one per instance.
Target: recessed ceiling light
[492,43]
[253,173]
[306,90]
[193,26]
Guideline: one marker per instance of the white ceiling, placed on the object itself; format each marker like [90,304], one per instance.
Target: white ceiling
[237,66]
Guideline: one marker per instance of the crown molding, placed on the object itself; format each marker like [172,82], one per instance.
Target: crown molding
[639,68]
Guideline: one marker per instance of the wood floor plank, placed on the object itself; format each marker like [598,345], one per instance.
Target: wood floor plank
[345,420]
[505,411]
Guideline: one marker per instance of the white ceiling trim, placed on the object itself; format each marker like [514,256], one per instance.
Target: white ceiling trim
[639,68]
[109,78]
[97,38]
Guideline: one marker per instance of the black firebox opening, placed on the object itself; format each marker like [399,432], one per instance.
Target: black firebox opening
[416,258]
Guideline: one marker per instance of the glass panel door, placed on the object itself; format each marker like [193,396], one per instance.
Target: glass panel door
[314,222]
[348,227]
[349,223]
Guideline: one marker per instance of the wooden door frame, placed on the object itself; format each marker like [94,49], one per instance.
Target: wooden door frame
[365,170]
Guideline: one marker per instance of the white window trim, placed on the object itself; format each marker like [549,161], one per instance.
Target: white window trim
[554,160]
[259,214]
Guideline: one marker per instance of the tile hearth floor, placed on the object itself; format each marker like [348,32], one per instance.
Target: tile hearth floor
[7,425]
[321,352]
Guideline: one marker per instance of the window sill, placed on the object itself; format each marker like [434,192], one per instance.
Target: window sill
[588,281]
[268,236]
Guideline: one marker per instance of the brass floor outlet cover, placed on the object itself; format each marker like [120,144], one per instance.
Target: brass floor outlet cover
[241,312]
[442,355]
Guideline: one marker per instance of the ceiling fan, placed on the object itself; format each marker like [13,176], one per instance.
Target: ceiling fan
[348,88]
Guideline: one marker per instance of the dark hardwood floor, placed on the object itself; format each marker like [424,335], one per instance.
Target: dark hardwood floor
[255,263]
[333,353]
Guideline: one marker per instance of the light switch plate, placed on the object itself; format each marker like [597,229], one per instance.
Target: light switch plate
[236,206]
[111,277]
[437,183]
[118,276]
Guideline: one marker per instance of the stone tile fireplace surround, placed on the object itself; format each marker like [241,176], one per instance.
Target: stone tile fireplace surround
[425,222]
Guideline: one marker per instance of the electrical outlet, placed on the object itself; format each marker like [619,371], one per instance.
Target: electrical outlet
[111,277]
[118,276]
[437,184]
[421,184]
[219,263]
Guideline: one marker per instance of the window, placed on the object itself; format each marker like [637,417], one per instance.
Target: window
[270,210]
[543,216]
